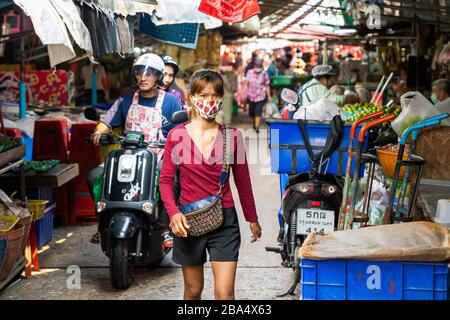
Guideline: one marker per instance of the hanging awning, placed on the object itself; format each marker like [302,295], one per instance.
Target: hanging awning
[183,34]
[183,11]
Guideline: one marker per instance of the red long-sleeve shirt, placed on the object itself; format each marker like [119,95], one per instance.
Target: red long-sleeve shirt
[199,177]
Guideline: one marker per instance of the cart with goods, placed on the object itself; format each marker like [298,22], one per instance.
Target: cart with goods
[348,214]
[407,261]
[405,159]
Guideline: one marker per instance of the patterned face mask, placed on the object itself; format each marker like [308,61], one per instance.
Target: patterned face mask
[207,109]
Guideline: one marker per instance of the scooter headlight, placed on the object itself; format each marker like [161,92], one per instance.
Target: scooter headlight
[329,189]
[126,172]
[101,206]
[147,207]
[306,188]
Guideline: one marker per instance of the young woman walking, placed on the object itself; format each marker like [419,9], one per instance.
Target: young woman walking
[195,151]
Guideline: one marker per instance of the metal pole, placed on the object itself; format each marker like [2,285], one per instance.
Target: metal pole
[94,86]
[22,85]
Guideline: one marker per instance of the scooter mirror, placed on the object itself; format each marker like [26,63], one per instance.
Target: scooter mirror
[290,96]
[179,117]
[91,114]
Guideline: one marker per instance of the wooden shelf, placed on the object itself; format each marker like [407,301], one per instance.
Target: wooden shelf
[12,155]
[56,177]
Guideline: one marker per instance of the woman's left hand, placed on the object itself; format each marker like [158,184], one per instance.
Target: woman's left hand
[256,230]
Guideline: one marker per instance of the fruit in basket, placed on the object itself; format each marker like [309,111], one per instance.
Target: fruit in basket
[5,224]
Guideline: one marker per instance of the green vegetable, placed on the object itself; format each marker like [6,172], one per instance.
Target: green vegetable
[409,122]
[7,143]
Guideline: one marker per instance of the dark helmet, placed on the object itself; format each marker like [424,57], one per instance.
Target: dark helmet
[168,60]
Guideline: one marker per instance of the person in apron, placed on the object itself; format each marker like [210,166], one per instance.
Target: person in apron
[140,112]
[319,88]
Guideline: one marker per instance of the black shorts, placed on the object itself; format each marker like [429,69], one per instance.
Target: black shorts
[255,109]
[222,244]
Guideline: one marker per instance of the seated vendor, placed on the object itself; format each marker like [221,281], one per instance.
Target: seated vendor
[319,88]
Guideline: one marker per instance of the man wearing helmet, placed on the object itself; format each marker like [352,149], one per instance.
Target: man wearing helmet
[171,69]
[146,110]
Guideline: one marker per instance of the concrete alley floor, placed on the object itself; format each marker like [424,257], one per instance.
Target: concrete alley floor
[259,274]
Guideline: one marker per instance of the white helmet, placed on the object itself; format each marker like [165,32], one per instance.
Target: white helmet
[149,64]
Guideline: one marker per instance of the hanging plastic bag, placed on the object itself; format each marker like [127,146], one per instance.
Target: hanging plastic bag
[97,188]
[270,110]
[415,108]
[233,11]
[321,110]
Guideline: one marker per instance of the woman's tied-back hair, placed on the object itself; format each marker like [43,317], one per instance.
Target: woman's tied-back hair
[201,78]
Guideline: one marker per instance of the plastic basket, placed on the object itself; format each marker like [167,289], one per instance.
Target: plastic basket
[44,227]
[41,193]
[388,160]
[37,207]
[372,280]
[14,238]
[286,139]
[26,222]
[11,220]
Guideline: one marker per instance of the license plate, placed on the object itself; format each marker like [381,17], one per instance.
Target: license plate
[314,220]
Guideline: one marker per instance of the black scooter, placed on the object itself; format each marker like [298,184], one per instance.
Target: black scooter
[311,200]
[129,204]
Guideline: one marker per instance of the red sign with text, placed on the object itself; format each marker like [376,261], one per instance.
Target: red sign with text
[230,10]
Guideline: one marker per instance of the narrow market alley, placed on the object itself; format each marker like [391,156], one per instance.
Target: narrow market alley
[260,275]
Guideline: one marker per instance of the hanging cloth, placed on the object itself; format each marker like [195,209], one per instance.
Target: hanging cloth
[71,17]
[50,28]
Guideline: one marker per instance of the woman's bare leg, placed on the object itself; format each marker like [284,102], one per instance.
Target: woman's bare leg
[224,278]
[193,282]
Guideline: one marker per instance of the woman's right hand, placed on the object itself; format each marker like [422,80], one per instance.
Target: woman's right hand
[179,225]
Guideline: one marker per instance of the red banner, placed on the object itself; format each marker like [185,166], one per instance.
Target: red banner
[230,10]
[42,85]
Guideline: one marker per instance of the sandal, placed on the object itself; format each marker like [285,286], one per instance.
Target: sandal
[167,241]
[95,239]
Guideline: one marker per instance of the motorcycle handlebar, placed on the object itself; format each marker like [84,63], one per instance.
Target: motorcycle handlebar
[106,140]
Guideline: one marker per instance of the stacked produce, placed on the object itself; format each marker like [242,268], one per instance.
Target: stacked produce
[7,143]
[353,112]
[38,166]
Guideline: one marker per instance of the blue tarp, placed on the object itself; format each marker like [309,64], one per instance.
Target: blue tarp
[183,34]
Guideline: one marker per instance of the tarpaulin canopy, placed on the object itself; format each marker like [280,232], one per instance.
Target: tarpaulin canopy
[183,11]
[184,34]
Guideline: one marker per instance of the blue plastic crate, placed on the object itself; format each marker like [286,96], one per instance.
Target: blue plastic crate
[44,228]
[372,280]
[286,138]
[41,193]
[3,250]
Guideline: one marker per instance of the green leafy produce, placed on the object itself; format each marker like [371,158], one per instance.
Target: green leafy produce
[39,166]
[410,122]
[7,143]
